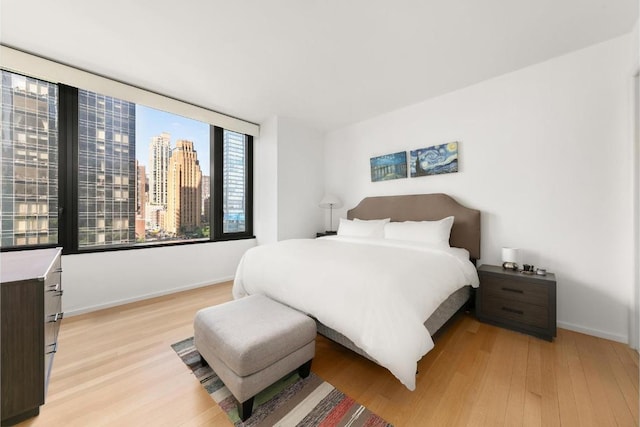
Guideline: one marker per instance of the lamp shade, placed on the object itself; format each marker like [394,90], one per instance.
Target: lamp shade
[330,201]
[510,254]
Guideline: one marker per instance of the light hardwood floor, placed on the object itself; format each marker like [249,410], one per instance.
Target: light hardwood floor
[115,367]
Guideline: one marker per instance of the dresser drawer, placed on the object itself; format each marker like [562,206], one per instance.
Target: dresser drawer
[511,310]
[54,274]
[53,302]
[50,337]
[515,290]
[52,310]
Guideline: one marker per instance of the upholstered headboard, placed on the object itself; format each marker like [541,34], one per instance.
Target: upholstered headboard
[426,207]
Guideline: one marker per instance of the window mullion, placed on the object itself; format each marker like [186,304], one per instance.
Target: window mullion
[218,211]
[68,170]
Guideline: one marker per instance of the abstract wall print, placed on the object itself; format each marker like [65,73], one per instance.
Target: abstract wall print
[389,166]
[434,160]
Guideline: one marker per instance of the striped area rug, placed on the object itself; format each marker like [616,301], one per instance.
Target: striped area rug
[292,401]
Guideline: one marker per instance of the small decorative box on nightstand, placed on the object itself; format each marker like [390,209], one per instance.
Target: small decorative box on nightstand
[517,301]
[326,233]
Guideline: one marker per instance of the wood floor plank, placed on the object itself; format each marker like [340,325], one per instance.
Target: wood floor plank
[532,410]
[579,386]
[490,409]
[629,359]
[567,405]
[628,387]
[550,407]
[518,384]
[473,366]
[605,386]
[116,367]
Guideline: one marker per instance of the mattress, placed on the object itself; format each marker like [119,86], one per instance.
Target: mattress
[377,292]
[437,320]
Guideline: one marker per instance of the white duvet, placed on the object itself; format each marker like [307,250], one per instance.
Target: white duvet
[376,292]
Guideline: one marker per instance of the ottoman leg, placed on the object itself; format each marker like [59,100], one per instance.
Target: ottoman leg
[203,361]
[245,408]
[305,369]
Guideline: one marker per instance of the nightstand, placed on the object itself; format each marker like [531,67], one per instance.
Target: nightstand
[326,233]
[517,301]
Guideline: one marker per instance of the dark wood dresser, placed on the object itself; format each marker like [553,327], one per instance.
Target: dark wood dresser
[31,302]
[517,301]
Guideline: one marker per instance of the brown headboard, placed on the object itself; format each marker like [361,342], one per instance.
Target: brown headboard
[426,207]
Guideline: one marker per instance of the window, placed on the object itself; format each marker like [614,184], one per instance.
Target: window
[234,182]
[145,166]
[100,170]
[29,178]
[133,175]
[172,158]
[233,158]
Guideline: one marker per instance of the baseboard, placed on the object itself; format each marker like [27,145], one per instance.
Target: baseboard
[97,307]
[594,332]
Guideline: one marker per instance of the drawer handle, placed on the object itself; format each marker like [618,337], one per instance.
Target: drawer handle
[512,310]
[56,317]
[517,291]
[55,348]
[58,270]
[54,288]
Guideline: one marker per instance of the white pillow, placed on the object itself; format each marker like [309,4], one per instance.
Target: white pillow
[434,232]
[361,228]
[372,221]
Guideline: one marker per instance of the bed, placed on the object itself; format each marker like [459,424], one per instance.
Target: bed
[381,297]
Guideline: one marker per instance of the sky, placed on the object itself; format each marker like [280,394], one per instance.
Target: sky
[151,122]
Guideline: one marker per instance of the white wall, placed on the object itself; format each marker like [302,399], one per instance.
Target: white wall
[300,179]
[544,153]
[104,279]
[265,183]
[289,180]
[634,324]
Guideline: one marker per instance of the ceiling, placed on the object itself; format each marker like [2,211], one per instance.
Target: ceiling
[328,63]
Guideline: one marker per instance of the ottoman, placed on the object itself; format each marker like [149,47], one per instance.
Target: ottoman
[252,342]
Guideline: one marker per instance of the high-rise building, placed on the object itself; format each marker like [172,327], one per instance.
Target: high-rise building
[159,154]
[206,194]
[141,201]
[29,161]
[233,171]
[106,170]
[184,189]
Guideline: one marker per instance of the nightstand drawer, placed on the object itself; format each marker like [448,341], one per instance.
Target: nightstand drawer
[512,310]
[514,290]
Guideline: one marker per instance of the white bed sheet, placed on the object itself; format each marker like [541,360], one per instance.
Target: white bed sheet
[376,292]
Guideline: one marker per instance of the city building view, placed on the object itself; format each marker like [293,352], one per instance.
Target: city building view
[136,185]
[184,190]
[29,162]
[171,198]
[234,177]
[106,170]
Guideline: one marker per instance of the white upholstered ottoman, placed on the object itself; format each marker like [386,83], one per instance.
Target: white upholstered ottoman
[252,342]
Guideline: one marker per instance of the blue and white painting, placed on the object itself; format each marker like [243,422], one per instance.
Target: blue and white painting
[434,160]
[389,166]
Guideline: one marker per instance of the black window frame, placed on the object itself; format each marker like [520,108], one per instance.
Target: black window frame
[217,202]
[68,209]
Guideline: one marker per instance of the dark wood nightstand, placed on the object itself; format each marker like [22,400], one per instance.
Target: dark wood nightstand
[326,233]
[517,301]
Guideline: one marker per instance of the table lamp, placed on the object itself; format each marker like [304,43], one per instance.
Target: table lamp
[329,201]
[510,258]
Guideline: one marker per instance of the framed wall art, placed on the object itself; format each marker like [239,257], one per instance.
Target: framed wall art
[389,166]
[434,160]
